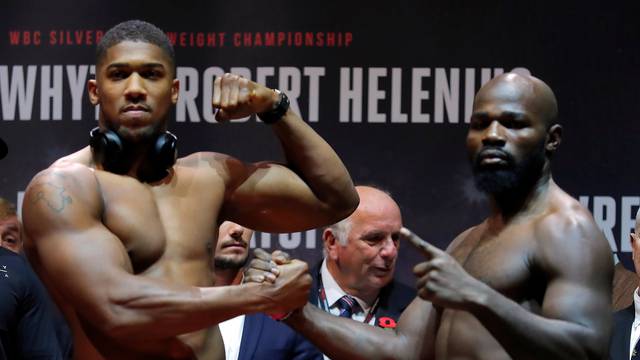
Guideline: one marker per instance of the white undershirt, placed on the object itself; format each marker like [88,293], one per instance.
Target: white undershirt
[231,331]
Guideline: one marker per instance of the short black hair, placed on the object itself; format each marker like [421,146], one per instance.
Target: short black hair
[136,30]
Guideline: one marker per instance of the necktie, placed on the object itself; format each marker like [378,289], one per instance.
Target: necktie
[636,350]
[347,306]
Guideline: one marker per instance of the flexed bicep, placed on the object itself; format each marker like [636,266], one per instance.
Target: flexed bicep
[271,197]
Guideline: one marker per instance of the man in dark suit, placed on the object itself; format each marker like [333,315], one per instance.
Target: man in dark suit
[626,322]
[355,279]
[30,325]
[252,336]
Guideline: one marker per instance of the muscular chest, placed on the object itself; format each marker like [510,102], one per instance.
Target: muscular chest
[163,228]
[502,260]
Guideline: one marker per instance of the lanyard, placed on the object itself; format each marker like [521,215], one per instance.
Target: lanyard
[324,303]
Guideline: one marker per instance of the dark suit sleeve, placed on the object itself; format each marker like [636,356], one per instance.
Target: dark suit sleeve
[36,337]
[620,338]
[302,349]
[266,339]
[394,299]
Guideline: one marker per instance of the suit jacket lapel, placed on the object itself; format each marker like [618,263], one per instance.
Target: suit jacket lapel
[315,284]
[250,336]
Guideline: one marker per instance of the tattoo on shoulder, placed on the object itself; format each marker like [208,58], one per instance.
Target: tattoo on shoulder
[54,196]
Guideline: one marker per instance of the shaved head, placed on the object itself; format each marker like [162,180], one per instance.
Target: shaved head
[529,91]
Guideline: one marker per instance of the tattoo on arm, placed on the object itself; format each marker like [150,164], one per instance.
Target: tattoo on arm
[56,198]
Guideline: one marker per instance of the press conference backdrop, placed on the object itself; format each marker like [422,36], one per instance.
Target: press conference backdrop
[388,84]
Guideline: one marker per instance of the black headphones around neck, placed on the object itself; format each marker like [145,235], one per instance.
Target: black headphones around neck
[111,151]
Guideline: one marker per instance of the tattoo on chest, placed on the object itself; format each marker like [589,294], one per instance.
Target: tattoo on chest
[54,196]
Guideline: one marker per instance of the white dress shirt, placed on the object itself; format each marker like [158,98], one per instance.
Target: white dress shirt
[334,292]
[231,331]
[635,328]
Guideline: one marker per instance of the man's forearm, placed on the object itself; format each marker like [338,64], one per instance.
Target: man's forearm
[342,338]
[317,164]
[157,311]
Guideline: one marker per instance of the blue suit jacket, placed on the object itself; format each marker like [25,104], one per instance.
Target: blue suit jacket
[267,339]
[622,322]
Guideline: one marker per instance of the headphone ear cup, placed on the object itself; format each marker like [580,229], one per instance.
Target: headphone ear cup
[108,149]
[166,150]
[113,144]
[96,140]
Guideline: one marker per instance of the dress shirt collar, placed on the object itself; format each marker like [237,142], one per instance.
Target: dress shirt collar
[333,291]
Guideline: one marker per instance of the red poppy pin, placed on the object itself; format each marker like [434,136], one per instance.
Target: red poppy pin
[387,323]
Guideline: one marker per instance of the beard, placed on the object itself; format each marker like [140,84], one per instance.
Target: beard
[510,178]
[225,263]
[144,134]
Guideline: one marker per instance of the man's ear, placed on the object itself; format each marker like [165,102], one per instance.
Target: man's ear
[92,88]
[175,90]
[330,243]
[633,240]
[554,138]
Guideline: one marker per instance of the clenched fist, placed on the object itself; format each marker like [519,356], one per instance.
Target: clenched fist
[285,283]
[236,97]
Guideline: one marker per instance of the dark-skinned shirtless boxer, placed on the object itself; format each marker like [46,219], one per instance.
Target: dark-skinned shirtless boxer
[532,281]
[127,255]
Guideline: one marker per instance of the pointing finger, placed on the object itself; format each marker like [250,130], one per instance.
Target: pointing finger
[427,249]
